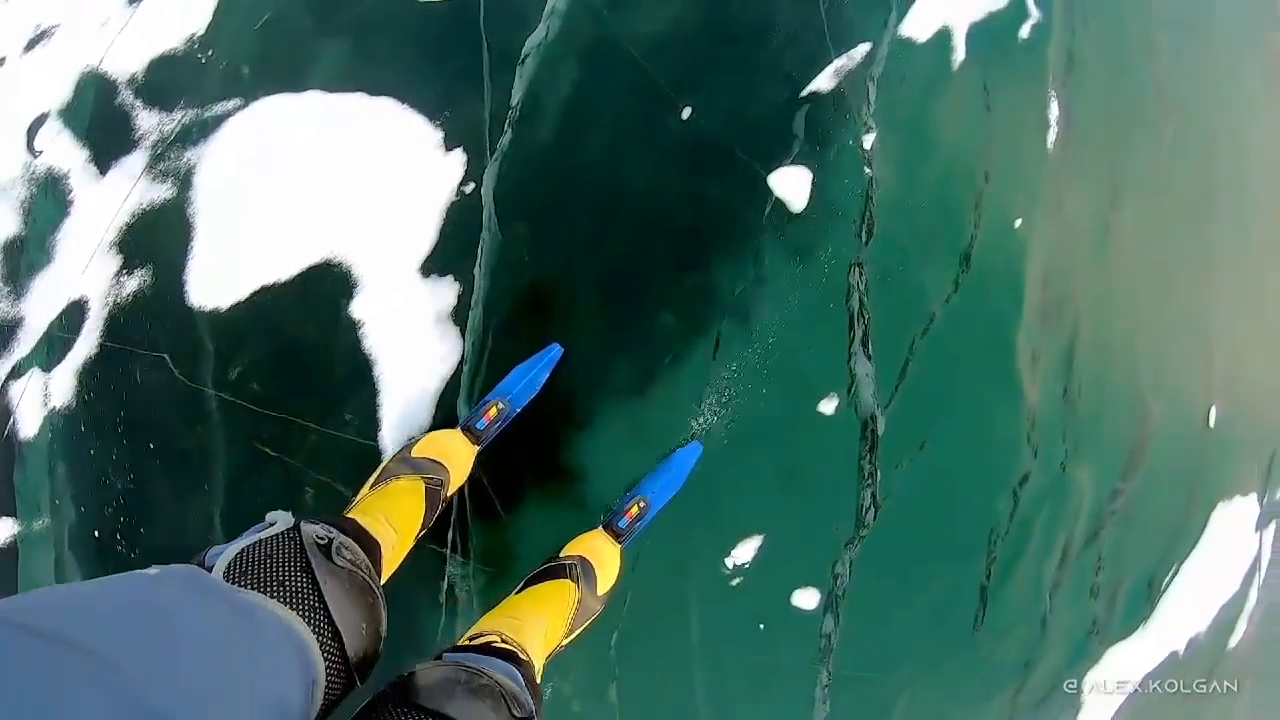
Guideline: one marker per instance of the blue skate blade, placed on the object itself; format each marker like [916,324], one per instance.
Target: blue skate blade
[510,396]
[637,508]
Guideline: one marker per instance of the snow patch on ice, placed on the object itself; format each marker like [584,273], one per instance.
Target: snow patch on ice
[29,402]
[1251,596]
[927,17]
[119,39]
[828,404]
[744,552]
[792,184]
[296,180]
[1053,112]
[869,140]
[1033,17]
[84,266]
[9,529]
[835,71]
[806,598]
[1213,572]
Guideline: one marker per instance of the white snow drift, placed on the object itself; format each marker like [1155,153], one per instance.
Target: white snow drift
[295,180]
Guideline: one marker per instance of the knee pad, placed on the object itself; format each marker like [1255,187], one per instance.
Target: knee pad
[471,686]
[324,580]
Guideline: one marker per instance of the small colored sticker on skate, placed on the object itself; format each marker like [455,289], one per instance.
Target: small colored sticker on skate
[633,511]
[489,416]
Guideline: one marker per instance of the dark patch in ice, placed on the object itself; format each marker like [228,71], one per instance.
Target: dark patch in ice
[44,208]
[40,37]
[33,129]
[57,340]
[97,118]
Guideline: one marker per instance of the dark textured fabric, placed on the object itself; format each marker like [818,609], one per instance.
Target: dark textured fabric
[276,566]
[390,704]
